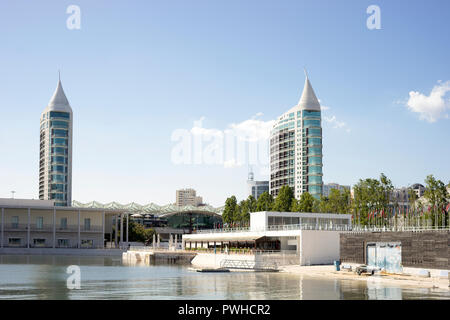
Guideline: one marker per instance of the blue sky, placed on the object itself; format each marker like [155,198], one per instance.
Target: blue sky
[138,70]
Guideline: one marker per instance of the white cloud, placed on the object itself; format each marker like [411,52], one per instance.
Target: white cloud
[334,122]
[433,106]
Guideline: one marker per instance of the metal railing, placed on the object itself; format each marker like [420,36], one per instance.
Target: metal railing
[398,229]
[248,264]
[284,227]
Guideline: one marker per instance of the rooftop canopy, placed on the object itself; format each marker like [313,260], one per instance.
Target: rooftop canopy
[152,208]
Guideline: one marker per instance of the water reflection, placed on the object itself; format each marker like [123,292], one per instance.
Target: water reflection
[44,277]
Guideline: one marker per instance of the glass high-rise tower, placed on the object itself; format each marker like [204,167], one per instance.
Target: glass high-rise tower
[55,160]
[296,147]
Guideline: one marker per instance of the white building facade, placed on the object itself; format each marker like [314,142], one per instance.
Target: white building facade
[296,147]
[305,238]
[55,153]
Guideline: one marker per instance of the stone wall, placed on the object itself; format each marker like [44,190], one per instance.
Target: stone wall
[430,249]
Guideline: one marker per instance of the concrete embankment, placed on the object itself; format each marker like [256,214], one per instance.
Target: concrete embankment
[149,256]
[410,280]
[62,252]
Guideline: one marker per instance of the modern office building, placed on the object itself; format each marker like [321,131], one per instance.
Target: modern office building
[296,147]
[187,197]
[329,186]
[55,158]
[256,188]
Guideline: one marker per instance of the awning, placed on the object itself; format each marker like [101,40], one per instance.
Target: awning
[226,238]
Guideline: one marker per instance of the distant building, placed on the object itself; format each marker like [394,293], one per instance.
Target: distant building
[55,152]
[27,223]
[187,197]
[256,188]
[418,189]
[329,186]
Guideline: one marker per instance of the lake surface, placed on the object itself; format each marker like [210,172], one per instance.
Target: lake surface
[45,277]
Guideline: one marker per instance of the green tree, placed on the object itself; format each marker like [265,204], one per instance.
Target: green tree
[307,203]
[229,212]
[283,201]
[264,202]
[138,233]
[436,194]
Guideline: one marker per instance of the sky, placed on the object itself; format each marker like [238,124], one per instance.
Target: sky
[146,78]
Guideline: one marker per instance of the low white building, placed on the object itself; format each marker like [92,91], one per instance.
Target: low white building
[308,238]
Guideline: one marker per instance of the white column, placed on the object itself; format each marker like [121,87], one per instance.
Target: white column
[128,217]
[103,229]
[176,241]
[28,228]
[79,230]
[54,227]
[121,231]
[116,231]
[3,223]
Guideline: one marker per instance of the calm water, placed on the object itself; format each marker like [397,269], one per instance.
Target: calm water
[44,277]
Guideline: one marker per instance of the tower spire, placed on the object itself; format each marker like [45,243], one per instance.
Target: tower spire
[308,100]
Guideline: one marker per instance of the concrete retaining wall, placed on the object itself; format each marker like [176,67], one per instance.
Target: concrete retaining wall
[428,249]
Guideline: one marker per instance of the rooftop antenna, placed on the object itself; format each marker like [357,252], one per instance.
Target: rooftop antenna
[59,75]
[12,193]
[250,173]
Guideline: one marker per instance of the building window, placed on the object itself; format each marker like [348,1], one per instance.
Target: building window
[87,243]
[39,223]
[63,225]
[39,242]
[15,222]
[14,241]
[56,114]
[87,224]
[63,243]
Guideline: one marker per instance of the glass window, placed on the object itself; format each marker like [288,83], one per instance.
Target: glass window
[63,224]
[87,243]
[39,242]
[315,189]
[314,141]
[60,141]
[314,132]
[62,160]
[87,224]
[59,124]
[60,133]
[314,151]
[57,187]
[15,222]
[58,169]
[315,179]
[57,114]
[311,123]
[58,178]
[311,114]
[314,160]
[58,150]
[63,243]
[14,241]
[39,222]
[314,169]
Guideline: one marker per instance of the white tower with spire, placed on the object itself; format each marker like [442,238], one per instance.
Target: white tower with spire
[55,160]
[296,147]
